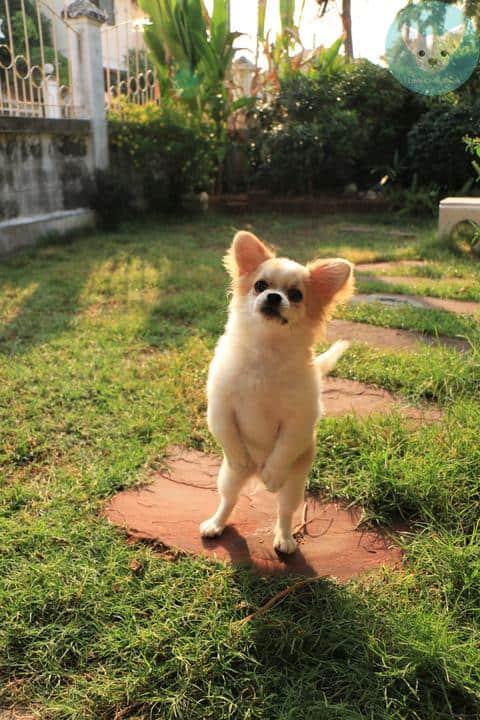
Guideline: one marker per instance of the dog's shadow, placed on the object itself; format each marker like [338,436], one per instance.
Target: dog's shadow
[266,561]
[321,646]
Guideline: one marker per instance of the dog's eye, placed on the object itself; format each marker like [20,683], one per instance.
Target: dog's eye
[444,53]
[422,53]
[295,295]
[260,286]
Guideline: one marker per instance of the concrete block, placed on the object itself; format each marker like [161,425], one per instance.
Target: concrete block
[455,210]
[22,232]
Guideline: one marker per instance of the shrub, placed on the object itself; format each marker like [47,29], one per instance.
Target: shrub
[164,152]
[436,152]
[304,141]
[414,200]
[359,115]
[112,199]
[385,110]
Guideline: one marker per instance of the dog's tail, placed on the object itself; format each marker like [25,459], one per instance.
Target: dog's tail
[327,360]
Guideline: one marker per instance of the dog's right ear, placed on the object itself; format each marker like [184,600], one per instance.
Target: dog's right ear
[246,253]
[413,39]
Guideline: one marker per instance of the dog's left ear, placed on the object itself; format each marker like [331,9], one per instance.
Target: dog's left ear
[330,282]
[246,253]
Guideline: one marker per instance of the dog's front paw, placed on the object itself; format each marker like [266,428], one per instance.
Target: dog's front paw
[286,545]
[211,528]
[271,480]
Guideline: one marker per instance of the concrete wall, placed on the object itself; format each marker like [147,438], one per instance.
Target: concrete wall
[45,166]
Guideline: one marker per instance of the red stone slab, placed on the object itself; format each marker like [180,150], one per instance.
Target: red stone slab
[457,307]
[389,266]
[389,338]
[343,397]
[170,509]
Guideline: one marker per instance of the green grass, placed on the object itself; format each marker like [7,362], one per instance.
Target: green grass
[104,348]
[456,288]
[428,321]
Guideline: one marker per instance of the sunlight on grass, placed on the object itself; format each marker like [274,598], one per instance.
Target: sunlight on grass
[11,301]
[124,278]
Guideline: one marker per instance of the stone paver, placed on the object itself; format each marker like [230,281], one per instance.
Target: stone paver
[388,266]
[342,397]
[457,307]
[170,509]
[377,230]
[388,338]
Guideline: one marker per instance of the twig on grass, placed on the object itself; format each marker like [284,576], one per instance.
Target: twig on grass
[301,526]
[286,591]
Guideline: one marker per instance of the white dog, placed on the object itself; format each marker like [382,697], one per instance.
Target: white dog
[264,382]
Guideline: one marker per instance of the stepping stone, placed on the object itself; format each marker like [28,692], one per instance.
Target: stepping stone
[342,397]
[170,509]
[389,338]
[378,230]
[457,307]
[391,265]
[390,299]
[415,279]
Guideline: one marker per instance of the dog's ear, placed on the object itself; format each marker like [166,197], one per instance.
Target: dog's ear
[413,39]
[246,253]
[330,282]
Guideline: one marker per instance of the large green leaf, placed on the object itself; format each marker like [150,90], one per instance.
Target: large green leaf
[220,24]
[161,13]
[287,10]
[261,10]
[200,48]
[330,55]
[155,46]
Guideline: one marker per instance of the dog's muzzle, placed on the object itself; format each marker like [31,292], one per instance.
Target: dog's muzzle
[271,307]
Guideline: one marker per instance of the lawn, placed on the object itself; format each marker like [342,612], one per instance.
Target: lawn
[104,348]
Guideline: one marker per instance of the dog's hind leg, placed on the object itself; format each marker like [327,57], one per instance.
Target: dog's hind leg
[290,496]
[230,482]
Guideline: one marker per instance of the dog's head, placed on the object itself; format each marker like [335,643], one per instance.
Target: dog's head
[277,293]
[432,52]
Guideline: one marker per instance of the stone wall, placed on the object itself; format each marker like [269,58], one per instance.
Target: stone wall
[45,166]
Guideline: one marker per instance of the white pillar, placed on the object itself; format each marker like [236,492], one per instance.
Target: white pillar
[52,98]
[87,73]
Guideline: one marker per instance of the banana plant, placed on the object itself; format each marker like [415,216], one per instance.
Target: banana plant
[286,55]
[196,48]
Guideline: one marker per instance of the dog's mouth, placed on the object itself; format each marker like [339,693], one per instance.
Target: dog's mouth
[274,314]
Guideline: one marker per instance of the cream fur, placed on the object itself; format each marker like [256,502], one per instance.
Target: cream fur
[264,384]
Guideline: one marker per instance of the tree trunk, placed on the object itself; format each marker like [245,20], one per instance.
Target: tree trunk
[346,15]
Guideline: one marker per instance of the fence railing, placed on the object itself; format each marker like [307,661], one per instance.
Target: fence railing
[35,61]
[129,71]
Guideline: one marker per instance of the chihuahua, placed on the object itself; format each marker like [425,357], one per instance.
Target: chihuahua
[264,382]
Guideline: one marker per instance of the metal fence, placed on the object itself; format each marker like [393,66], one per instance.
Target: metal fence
[35,61]
[129,72]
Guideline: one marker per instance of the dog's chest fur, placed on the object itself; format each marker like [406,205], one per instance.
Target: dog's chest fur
[264,387]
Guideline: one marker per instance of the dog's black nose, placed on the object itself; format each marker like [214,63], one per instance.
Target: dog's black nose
[273,299]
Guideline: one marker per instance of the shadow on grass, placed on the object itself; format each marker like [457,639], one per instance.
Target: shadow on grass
[57,273]
[48,283]
[333,654]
